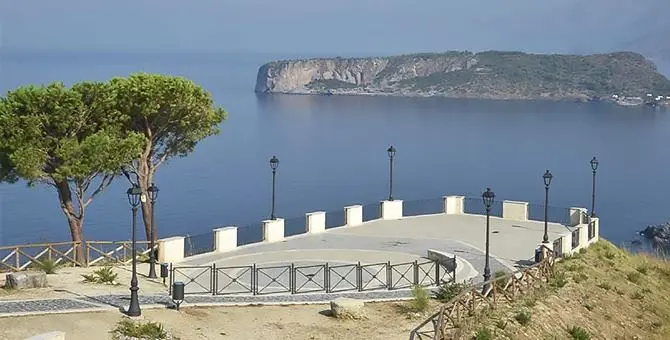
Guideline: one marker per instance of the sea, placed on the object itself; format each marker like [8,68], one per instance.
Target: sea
[332,152]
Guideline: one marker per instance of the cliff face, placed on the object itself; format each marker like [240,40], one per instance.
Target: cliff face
[495,75]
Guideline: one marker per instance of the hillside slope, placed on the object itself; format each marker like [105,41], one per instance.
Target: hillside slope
[607,292]
[491,75]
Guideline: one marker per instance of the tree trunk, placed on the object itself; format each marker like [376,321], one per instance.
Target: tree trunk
[144,179]
[76,221]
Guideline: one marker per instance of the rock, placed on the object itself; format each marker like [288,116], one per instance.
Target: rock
[346,308]
[23,280]
[658,234]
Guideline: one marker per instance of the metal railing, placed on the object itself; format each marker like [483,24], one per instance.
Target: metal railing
[85,253]
[475,206]
[198,244]
[423,207]
[311,278]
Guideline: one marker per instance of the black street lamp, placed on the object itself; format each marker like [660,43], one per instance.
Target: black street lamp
[274,163]
[547,181]
[488,196]
[134,197]
[153,196]
[391,151]
[594,167]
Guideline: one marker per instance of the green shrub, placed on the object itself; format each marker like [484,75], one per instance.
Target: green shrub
[523,317]
[48,266]
[149,330]
[634,277]
[420,299]
[605,285]
[637,296]
[105,275]
[579,333]
[483,333]
[580,277]
[642,269]
[558,280]
[449,290]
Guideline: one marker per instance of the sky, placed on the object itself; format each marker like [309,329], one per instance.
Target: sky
[338,27]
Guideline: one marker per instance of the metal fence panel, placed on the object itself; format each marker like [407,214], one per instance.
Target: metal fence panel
[198,244]
[196,279]
[295,226]
[423,207]
[273,280]
[426,273]
[371,212]
[554,214]
[373,276]
[475,205]
[252,233]
[342,278]
[334,219]
[309,279]
[234,280]
[402,275]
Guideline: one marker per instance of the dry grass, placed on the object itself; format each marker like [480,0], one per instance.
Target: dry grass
[608,292]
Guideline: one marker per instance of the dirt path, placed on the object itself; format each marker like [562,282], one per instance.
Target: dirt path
[386,321]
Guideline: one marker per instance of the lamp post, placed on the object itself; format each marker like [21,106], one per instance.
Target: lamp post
[153,196]
[547,181]
[594,167]
[134,197]
[274,163]
[488,196]
[391,151]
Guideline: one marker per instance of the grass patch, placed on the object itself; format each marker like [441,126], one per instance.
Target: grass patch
[104,275]
[642,269]
[637,296]
[483,333]
[581,277]
[578,333]
[558,280]
[605,285]
[449,290]
[523,317]
[501,324]
[420,299]
[634,277]
[48,266]
[149,330]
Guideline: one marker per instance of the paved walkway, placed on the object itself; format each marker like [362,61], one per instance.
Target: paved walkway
[406,240]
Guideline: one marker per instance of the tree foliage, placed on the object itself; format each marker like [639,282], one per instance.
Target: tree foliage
[172,113]
[70,138]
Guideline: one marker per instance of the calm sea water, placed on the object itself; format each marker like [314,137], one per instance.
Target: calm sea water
[332,152]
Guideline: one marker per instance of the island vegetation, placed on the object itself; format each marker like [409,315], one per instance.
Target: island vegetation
[78,139]
[492,75]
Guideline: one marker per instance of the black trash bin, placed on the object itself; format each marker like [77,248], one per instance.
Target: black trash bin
[177,293]
[538,254]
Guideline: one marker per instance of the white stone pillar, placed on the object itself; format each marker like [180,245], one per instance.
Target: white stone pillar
[353,215]
[515,210]
[273,230]
[596,231]
[171,250]
[453,205]
[316,222]
[583,235]
[391,210]
[225,239]
[576,216]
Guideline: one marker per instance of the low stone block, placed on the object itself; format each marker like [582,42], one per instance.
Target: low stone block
[23,280]
[48,336]
[347,308]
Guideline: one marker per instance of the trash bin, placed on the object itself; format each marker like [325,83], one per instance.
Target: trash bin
[178,293]
[538,255]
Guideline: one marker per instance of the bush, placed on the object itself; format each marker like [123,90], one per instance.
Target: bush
[104,275]
[634,277]
[522,317]
[605,285]
[637,296]
[558,280]
[149,330]
[449,290]
[580,277]
[420,299]
[501,324]
[483,334]
[579,333]
[642,269]
[48,266]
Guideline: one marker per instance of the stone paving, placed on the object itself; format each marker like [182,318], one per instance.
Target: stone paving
[404,240]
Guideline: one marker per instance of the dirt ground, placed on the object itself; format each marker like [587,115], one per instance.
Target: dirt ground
[387,320]
[67,282]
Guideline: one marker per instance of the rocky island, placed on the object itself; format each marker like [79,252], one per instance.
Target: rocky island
[485,75]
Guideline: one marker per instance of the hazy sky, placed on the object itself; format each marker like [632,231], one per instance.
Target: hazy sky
[342,26]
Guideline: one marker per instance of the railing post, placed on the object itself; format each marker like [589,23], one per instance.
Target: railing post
[214,279]
[389,276]
[254,280]
[291,278]
[438,282]
[416,272]
[171,279]
[326,278]
[359,277]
